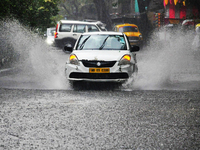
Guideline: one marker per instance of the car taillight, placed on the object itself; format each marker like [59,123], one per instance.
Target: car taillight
[56,33]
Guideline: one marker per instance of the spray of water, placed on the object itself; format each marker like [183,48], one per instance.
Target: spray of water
[37,62]
[167,61]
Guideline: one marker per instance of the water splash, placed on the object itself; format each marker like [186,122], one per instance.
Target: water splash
[37,62]
[167,61]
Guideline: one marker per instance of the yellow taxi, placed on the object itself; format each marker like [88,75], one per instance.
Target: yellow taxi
[197,26]
[132,31]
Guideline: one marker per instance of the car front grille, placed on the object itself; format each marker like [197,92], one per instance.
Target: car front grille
[99,75]
[97,64]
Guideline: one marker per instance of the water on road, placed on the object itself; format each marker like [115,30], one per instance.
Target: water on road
[163,64]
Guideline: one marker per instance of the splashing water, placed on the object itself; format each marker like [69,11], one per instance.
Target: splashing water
[37,62]
[167,61]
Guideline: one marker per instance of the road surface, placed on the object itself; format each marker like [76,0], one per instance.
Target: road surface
[160,109]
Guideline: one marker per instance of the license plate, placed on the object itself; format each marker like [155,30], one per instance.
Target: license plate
[99,70]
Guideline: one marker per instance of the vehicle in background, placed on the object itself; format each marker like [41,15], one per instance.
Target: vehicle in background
[99,23]
[197,26]
[132,31]
[68,31]
[101,57]
[50,35]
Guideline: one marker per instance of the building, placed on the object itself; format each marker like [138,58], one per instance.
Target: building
[174,11]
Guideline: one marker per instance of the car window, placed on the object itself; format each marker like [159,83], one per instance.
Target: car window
[79,28]
[92,28]
[65,27]
[128,29]
[101,42]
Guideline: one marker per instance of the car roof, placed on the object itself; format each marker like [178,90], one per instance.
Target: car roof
[103,33]
[126,24]
[79,22]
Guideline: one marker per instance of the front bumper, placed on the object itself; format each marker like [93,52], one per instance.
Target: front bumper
[81,73]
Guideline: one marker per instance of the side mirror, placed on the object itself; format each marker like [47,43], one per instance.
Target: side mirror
[68,48]
[134,48]
[45,35]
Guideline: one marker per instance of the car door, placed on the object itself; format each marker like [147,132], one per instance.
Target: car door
[65,30]
[78,29]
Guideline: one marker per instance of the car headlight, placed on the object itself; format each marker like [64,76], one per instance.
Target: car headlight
[140,36]
[73,60]
[126,59]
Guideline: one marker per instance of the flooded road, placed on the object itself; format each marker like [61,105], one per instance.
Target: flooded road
[160,109]
[154,74]
[46,113]
[163,64]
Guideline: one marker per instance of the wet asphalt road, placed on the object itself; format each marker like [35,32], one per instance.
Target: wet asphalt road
[99,119]
[38,109]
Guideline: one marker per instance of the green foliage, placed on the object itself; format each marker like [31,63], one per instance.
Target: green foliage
[34,13]
[72,9]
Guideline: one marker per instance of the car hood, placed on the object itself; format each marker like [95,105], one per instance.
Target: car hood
[101,55]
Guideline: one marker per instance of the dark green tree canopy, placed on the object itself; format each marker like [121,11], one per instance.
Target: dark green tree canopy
[34,13]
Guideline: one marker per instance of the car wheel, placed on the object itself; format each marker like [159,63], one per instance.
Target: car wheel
[70,41]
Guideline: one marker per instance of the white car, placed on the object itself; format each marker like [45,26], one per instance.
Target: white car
[50,35]
[101,57]
[68,31]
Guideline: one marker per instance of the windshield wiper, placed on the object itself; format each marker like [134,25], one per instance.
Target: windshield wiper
[81,46]
[102,46]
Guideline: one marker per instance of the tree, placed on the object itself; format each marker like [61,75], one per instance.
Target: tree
[86,9]
[34,13]
[73,9]
[103,13]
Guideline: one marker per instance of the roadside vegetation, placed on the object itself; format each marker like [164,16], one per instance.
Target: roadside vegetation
[37,15]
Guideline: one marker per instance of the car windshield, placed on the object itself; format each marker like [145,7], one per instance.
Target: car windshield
[128,29]
[101,42]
